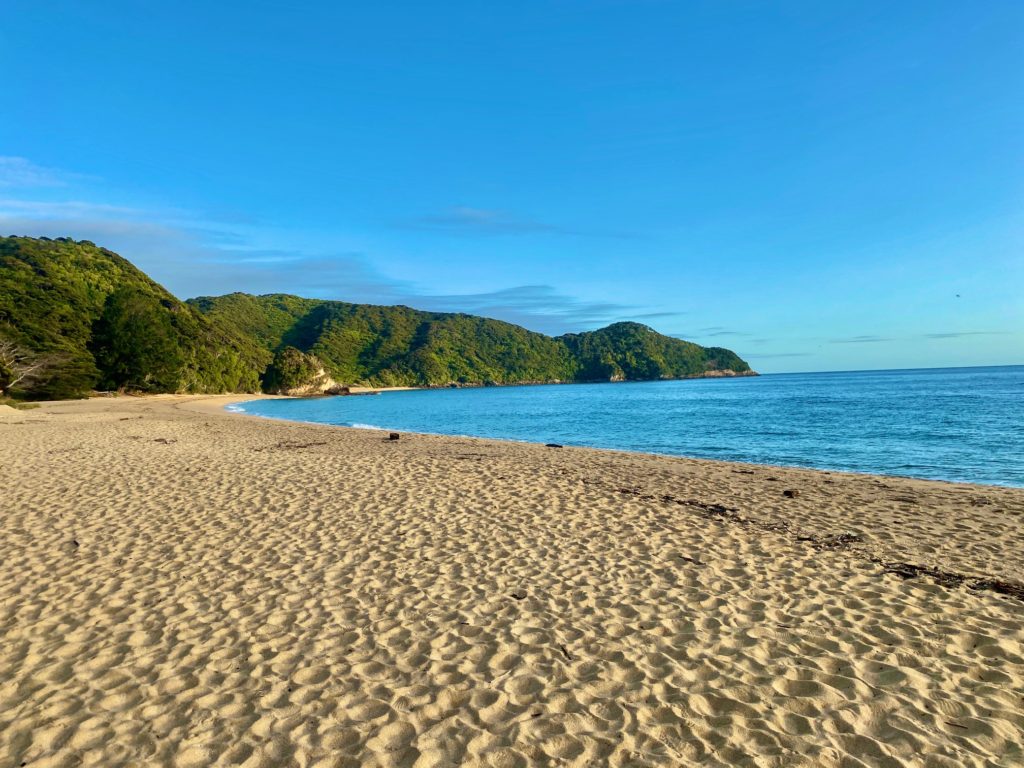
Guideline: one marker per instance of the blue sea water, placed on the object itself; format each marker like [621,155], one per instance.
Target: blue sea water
[962,424]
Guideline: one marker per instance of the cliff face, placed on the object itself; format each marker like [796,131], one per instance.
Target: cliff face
[99,322]
[296,374]
[323,386]
[725,374]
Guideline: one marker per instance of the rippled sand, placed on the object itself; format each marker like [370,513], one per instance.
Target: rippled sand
[185,587]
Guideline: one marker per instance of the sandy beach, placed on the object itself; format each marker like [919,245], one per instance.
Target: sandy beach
[186,587]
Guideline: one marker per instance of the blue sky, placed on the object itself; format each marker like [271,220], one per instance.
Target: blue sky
[819,186]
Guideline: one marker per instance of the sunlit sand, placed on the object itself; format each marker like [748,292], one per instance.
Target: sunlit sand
[186,587]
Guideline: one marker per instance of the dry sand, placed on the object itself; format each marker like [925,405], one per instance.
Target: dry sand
[185,587]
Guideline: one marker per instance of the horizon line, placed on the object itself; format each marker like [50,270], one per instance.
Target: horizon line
[896,370]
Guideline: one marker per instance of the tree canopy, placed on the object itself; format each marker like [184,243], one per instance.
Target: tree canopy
[110,326]
[399,346]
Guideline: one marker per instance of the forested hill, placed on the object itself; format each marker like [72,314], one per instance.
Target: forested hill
[98,322]
[394,346]
[399,346]
[91,320]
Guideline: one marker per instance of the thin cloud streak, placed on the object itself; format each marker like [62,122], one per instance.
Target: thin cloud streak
[477,221]
[860,340]
[772,355]
[711,332]
[43,210]
[196,259]
[23,173]
[655,315]
[538,307]
[193,259]
[468,221]
[192,255]
[719,331]
[963,334]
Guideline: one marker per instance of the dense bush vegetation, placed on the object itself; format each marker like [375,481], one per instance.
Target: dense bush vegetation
[135,344]
[399,346]
[100,322]
[103,323]
[393,346]
[631,351]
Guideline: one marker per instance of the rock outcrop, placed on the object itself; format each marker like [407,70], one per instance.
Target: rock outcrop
[298,374]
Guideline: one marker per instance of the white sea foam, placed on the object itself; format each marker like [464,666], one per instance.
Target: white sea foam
[356,425]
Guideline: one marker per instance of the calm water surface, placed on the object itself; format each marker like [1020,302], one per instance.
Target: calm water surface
[964,424]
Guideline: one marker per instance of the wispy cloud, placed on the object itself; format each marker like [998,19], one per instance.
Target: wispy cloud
[771,355]
[194,254]
[23,173]
[539,307]
[718,330]
[477,221]
[711,332]
[655,315]
[68,209]
[467,221]
[195,257]
[867,339]
[346,276]
[962,334]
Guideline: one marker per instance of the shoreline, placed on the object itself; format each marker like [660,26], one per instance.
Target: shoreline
[370,390]
[186,587]
[217,406]
[974,581]
[826,469]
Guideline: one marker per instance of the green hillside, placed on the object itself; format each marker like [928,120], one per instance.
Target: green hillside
[100,323]
[634,352]
[394,346]
[399,346]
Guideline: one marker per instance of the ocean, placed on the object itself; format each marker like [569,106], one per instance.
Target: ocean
[960,424]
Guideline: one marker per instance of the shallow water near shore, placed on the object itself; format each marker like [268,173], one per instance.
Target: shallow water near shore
[959,424]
